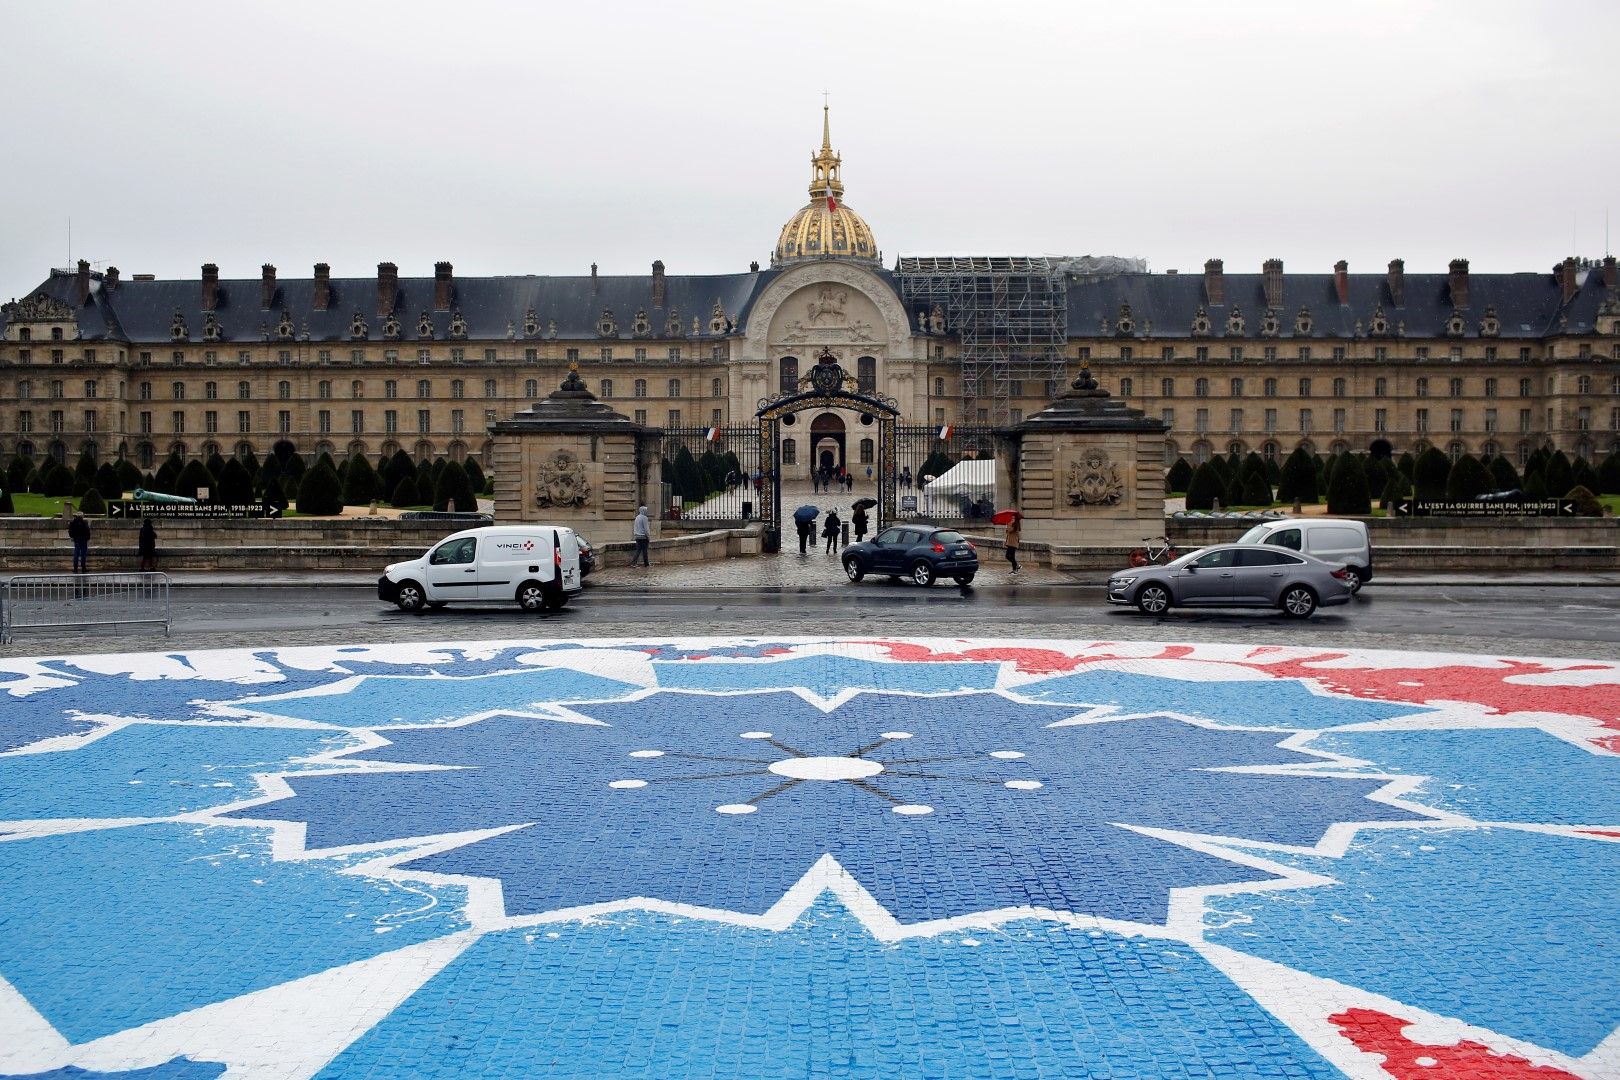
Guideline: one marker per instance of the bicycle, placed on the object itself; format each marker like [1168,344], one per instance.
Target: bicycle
[1157,549]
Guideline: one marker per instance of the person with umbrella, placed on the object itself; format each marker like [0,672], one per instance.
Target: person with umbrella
[805,518]
[860,519]
[831,529]
[1010,520]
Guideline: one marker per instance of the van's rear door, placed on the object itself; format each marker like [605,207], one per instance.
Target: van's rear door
[566,559]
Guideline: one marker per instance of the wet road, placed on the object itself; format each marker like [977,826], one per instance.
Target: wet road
[1522,620]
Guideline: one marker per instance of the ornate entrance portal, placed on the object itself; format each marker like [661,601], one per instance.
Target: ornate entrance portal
[827,387]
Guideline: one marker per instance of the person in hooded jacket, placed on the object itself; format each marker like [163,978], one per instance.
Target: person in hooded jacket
[146,547]
[641,533]
[831,529]
[859,521]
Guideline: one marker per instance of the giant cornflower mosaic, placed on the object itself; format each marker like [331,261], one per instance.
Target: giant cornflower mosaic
[830,858]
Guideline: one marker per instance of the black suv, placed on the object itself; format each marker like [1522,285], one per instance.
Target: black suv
[922,553]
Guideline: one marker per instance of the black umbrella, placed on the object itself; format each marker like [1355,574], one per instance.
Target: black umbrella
[807,512]
[864,504]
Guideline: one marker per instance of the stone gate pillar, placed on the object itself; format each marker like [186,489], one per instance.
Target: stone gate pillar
[1090,474]
[569,460]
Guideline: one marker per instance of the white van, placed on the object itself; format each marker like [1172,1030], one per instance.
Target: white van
[1337,540]
[536,566]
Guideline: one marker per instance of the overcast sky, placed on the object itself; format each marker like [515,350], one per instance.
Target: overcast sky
[538,138]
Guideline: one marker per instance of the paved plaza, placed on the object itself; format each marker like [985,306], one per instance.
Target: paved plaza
[681,857]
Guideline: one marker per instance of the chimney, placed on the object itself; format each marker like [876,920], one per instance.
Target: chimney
[1568,279]
[1459,283]
[1397,282]
[1273,269]
[81,282]
[210,286]
[1214,283]
[443,286]
[267,286]
[593,277]
[1341,281]
[658,283]
[109,279]
[323,286]
[387,287]
[1610,278]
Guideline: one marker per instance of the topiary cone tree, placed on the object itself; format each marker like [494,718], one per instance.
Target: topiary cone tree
[1429,473]
[1180,475]
[1299,478]
[320,493]
[405,493]
[194,476]
[1205,487]
[1468,479]
[1348,492]
[452,491]
[360,482]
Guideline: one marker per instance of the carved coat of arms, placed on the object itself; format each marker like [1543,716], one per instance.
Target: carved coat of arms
[560,481]
[1095,481]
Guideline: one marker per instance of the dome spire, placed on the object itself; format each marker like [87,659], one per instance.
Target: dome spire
[824,166]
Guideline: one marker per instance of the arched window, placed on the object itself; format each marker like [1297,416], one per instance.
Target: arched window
[424,388]
[458,389]
[1455,451]
[1126,387]
[789,380]
[178,390]
[866,451]
[1237,387]
[1269,451]
[866,374]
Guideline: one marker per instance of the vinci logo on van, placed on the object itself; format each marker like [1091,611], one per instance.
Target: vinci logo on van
[527,545]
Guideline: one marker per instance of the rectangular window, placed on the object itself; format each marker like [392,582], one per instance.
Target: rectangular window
[674,418]
[89,420]
[283,421]
[390,389]
[605,352]
[1015,387]
[1380,420]
[1421,422]
[1524,352]
[1338,352]
[59,422]
[490,389]
[1201,421]
[91,388]
[1583,418]
[357,356]
[1524,421]
[1490,421]
[458,356]
[1201,352]
[323,421]
[1237,420]
[716,388]
[1456,388]
[244,422]
[324,356]
[489,355]
[211,422]
[1338,420]
[1490,352]
[607,388]
[640,417]
[1083,353]
[1524,387]
[1305,422]
[1125,353]
[1304,352]
[640,353]
[1269,388]
[1380,387]
[1237,353]
[1421,387]
[146,423]
[390,356]
[717,417]
[177,422]
[674,352]
[1167,353]
[1126,387]
[177,391]
[211,390]
[457,422]
[1271,421]
[357,421]
[1456,419]
[641,388]
[1490,387]
[424,421]
[674,388]
[1169,417]
[1304,388]
[1339,387]
[939,416]
[572,354]
[391,422]
[1167,388]
[1237,387]
[532,355]
[25,421]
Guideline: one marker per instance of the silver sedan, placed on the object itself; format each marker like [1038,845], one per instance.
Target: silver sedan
[1234,575]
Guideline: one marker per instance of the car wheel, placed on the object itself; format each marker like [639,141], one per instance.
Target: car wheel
[1153,599]
[922,572]
[852,568]
[1298,602]
[1352,578]
[531,596]
[410,597]
[964,579]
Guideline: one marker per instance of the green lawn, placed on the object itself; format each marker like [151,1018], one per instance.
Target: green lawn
[27,505]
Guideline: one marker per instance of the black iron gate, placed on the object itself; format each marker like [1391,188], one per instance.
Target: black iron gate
[944,474]
[712,475]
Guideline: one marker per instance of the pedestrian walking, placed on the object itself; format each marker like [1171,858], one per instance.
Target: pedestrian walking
[641,533]
[807,533]
[849,482]
[905,477]
[831,530]
[815,482]
[869,474]
[1010,540]
[79,533]
[859,521]
[147,546]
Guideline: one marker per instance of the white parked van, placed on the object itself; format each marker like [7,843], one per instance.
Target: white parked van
[536,566]
[1335,540]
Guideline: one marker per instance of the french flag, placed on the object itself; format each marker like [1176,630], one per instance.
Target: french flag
[945,432]
[832,203]
[713,435]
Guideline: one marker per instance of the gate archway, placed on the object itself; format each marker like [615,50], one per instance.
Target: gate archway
[826,386]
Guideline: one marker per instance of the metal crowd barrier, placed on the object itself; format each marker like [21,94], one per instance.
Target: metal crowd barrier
[82,601]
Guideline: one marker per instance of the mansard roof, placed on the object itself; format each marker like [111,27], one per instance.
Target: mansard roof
[1526,305]
[143,311]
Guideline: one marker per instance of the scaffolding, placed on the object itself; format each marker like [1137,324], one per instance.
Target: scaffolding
[1009,315]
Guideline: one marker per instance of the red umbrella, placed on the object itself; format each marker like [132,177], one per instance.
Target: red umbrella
[1006,517]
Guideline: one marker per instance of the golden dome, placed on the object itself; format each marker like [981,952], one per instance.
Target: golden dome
[825,228]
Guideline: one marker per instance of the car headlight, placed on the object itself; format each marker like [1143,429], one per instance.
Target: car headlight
[1121,580]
